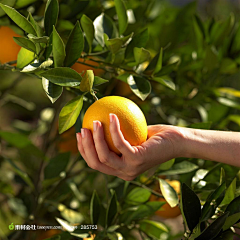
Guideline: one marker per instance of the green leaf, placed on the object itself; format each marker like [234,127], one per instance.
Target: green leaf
[56,165]
[153,229]
[167,69]
[115,44]
[200,26]
[24,58]
[35,25]
[230,193]
[138,195]
[52,90]
[112,209]
[22,174]
[212,202]
[159,62]
[9,3]
[104,24]
[35,39]
[19,19]
[63,76]
[144,210]
[51,16]
[221,29]
[165,82]
[214,228]
[58,49]
[75,45]
[167,165]
[88,29]
[94,208]
[122,15]
[231,220]
[98,81]
[191,206]
[180,168]
[234,206]
[25,43]
[140,86]
[139,40]
[228,66]
[69,113]
[87,81]
[168,193]
[141,55]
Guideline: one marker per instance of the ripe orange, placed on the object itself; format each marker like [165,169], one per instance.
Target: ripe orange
[8,48]
[132,121]
[81,68]
[166,211]
[68,142]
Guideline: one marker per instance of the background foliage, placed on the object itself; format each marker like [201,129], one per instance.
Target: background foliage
[178,61]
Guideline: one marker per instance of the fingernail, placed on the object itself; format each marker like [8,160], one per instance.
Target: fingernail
[95,126]
[111,117]
[83,132]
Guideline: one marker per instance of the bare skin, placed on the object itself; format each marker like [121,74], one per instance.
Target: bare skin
[164,143]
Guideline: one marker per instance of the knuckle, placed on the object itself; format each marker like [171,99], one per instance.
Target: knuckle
[93,166]
[103,159]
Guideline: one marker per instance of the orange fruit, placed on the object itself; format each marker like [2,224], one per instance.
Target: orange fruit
[68,141]
[166,211]
[132,120]
[8,48]
[81,68]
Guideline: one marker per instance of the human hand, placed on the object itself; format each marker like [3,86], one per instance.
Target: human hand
[162,145]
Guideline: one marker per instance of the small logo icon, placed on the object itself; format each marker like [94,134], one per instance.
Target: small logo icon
[11,226]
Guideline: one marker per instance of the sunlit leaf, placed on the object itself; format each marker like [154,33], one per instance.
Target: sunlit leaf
[52,90]
[137,195]
[140,86]
[168,193]
[69,113]
[87,81]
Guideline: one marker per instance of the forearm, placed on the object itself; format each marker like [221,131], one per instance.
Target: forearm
[211,145]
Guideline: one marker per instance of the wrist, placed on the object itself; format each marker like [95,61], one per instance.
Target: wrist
[183,142]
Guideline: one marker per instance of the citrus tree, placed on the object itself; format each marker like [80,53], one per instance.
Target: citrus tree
[180,67]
